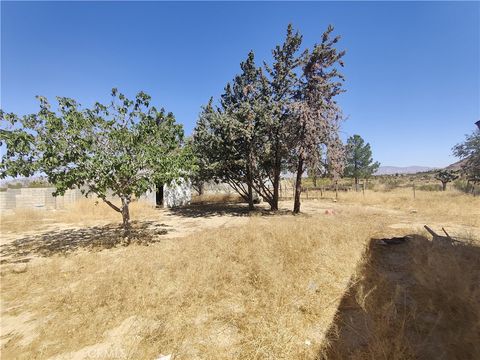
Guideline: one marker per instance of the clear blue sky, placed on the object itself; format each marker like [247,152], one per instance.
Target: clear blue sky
[412,69]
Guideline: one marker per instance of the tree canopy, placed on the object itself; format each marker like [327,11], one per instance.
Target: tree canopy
[273,118]
[359,161]
[469,151]
[122,149]
[446,176]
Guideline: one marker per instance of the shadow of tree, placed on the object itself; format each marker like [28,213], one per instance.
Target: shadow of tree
[207,210]
[411,300]
[66,241]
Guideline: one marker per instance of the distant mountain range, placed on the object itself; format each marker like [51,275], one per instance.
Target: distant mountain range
[390,170]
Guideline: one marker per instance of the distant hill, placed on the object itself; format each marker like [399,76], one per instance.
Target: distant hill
[457,165]
[390,170]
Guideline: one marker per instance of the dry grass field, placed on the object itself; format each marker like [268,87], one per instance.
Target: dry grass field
[212,281]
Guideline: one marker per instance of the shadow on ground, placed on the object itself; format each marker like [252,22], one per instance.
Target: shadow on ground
[69,240]
[412,300]
[207,210]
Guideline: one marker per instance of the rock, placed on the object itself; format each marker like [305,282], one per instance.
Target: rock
[312,286]
[164,357]
[19,268]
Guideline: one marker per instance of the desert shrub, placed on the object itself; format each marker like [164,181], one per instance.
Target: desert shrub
[391,184]
[38,184]
[466,187]
[429,187]
[370,185]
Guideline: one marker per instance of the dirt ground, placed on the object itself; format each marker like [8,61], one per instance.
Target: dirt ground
[33,246]
[177,223]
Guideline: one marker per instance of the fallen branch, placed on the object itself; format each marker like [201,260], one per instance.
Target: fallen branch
[440,239]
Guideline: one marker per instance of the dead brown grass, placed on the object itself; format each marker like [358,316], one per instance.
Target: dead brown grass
[270,289]
[82,213]
[413,301]
[257,292]
[436,206]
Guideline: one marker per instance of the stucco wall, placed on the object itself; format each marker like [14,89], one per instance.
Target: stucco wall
[178,193]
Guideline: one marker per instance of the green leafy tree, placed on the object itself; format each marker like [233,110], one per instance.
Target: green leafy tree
[469,151]
[359,161]
[215,153]
[283,82]
[242,107]
[204,144]
[122,149]
[229,140]
[274,120]
[446,176]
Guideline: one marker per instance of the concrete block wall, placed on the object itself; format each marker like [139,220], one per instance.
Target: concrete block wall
[214,188]
[7,200]
[177,194]
[35,198]
[149,197]
[70,197]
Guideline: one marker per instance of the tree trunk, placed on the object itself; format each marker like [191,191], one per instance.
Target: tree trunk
[250,197]
[250,190]
[314,177]
[200,188]
[444,185]
[276,184]
[125,216]
[298,186]
[356,184]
